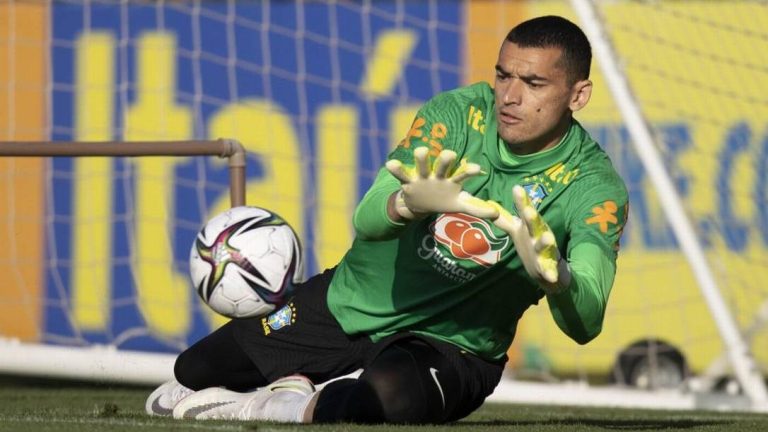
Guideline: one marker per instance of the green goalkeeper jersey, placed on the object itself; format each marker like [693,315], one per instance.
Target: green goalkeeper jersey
[458,278]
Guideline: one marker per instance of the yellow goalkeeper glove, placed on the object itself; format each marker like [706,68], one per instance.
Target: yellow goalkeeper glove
[535,243]
[438,188]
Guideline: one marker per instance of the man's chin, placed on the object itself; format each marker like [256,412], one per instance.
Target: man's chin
[510,133]
[512,140]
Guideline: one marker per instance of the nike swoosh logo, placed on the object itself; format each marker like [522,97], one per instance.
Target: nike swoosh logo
[194,411]
[434,372]
[160,410]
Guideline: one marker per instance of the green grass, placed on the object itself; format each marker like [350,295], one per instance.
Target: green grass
[35,405]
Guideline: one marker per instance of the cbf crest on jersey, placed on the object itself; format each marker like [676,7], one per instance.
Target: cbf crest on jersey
[536,192]
[280,318]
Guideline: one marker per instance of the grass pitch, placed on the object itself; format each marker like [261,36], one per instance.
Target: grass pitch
[35,405]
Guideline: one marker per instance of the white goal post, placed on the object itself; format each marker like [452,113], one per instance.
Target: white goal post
[104,364]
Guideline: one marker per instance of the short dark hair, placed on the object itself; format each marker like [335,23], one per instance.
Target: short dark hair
[556,32]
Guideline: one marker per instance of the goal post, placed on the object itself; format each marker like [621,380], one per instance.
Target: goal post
[100,363]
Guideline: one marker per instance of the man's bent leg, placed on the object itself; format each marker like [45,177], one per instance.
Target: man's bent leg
[408,382]
[217,360]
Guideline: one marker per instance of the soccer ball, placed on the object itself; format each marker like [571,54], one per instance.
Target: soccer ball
[245,262]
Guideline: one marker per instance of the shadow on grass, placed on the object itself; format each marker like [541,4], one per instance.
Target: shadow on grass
[650,424]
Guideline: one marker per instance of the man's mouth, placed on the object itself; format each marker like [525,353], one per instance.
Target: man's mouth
[509,118]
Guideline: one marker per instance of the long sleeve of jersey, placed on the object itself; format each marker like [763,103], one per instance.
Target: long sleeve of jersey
[370,220]
[596,220]
[580,309]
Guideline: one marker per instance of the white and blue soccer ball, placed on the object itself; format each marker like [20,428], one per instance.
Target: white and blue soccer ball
[245,262]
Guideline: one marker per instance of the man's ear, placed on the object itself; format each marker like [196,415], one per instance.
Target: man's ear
[580,94]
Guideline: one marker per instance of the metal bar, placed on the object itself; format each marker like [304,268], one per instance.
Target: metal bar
[224,148]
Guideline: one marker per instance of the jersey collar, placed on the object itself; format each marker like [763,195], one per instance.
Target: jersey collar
[533,162]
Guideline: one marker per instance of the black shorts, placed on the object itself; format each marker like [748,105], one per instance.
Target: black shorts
[304,337]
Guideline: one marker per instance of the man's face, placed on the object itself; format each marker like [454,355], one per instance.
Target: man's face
[534,99]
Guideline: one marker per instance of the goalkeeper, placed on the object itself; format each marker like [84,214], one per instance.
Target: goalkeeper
[495,199]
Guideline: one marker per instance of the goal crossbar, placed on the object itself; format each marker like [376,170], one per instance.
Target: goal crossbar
[224,148]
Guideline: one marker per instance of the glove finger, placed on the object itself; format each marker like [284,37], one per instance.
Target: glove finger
[523,206]
[422,164]
[536,223]
[550,274]
[549,257]
[547,262]
[444,163]
[397,169]
[547,248]
[547,240]
[505,221]
[530,216]
[477,207]
[465,171]
[522,201]
[520,198]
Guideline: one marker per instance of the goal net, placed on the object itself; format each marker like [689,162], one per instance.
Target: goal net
[95,249]
[694,70]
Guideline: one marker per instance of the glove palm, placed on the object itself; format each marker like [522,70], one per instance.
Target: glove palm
[429,189]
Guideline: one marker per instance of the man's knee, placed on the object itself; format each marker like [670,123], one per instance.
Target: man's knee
[396,388]
[377,398]
[190,370]
[402,397]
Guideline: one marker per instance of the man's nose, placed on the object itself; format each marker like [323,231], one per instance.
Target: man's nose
[513,92]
